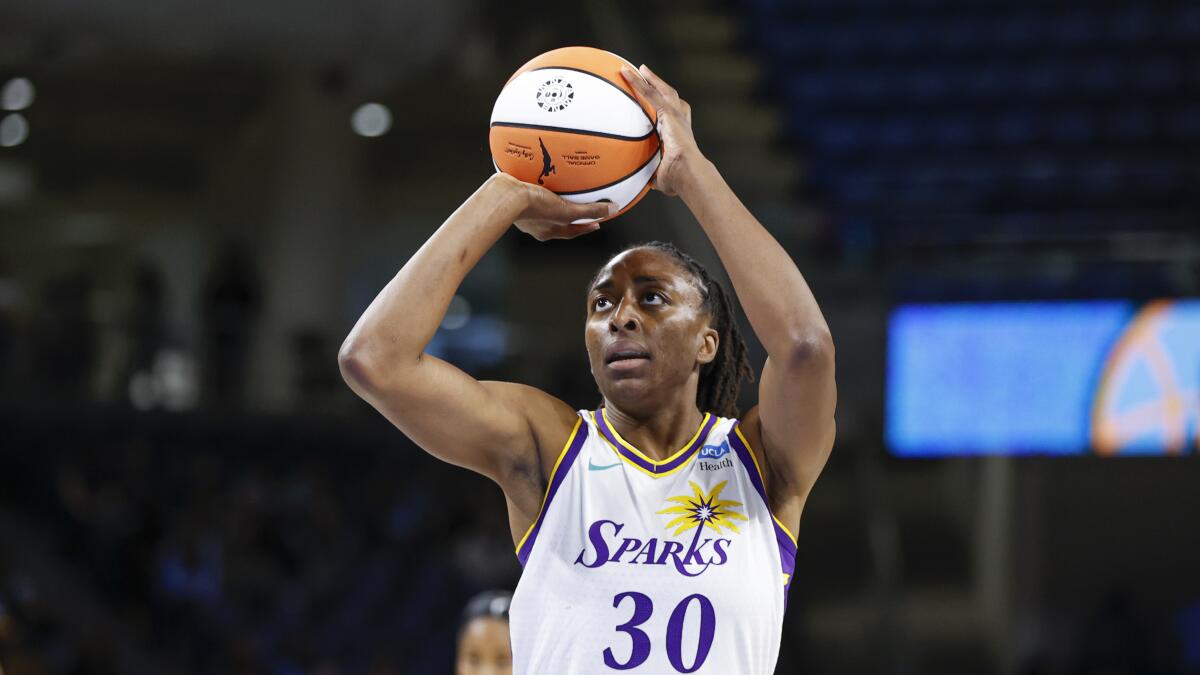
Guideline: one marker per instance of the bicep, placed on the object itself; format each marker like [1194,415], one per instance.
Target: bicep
[488,427]
[795,414]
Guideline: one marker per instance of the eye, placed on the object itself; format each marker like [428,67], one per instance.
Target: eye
[653,298]
[600,303]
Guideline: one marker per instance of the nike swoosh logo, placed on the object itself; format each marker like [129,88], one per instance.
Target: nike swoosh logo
[594,467]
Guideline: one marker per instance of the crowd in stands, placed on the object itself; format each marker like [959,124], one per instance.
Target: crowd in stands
[237,553]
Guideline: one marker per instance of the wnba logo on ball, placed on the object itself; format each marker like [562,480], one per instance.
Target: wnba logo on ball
[555,95]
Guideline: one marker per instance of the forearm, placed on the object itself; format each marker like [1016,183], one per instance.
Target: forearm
[772,291]
[403,318]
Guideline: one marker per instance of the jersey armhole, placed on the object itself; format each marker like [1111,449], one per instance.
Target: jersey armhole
[783,536]
[571,448]
[740,439]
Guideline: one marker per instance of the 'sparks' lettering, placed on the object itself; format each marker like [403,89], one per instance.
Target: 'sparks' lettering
[606,546]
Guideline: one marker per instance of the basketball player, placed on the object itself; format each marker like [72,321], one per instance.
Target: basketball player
[656,533]
[483,644]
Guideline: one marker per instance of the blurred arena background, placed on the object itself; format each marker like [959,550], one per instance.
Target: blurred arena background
[198,200]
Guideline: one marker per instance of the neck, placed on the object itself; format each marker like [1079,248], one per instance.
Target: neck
[658,433]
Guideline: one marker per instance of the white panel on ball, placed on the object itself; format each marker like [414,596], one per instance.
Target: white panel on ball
[620,193]
[570,99]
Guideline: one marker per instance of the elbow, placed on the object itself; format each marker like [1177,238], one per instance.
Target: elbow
[356,367]
[809,348]
[370,370]
[350,364]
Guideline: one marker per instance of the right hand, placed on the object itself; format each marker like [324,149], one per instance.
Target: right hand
[547,216]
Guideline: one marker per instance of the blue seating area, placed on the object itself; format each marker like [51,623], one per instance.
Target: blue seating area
[959,118]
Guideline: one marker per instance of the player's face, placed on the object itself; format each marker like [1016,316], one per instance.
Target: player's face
[484,648]
[647,331]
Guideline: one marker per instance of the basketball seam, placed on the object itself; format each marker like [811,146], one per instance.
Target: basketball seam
[626,177]
[582,132]
[605,80]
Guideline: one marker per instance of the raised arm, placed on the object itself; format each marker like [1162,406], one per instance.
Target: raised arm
[497,429]
[794,417]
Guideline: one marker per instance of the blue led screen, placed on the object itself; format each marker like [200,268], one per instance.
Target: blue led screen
[1110,377]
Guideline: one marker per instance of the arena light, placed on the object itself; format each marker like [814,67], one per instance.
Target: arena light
[13,130]
[371,120]
[17,94]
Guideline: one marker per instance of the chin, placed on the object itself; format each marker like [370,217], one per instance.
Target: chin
[630,392]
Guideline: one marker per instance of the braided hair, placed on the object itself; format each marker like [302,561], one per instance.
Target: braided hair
[720,379]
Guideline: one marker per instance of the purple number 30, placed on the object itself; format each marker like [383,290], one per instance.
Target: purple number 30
[643,607]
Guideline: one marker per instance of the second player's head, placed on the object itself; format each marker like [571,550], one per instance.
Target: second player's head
[657,321]
[484,647]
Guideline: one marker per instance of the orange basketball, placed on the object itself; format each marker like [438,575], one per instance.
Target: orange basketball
[568,121]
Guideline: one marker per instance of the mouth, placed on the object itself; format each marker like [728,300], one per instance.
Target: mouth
[626,359]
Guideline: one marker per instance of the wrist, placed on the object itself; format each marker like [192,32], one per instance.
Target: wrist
[696,172]
[511,194]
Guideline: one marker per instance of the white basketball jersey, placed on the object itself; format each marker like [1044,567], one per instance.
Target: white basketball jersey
[652,567]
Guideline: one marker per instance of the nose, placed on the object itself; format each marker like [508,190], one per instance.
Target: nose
[625,316]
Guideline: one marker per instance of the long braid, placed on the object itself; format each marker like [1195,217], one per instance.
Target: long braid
[720,379]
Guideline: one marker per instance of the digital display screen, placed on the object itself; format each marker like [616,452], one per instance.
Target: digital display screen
[1060,378]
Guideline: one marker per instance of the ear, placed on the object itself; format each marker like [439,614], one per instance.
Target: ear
[710,342]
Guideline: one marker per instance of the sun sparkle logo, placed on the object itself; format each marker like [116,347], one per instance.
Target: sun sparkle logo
[555,95]
[701,510]
[698,513]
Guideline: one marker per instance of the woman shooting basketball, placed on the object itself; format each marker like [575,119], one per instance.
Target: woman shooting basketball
[656,532]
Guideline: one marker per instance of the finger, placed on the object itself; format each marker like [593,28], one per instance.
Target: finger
[579,229]
[571,230]
[658,83]
[639,84]
[592,211]
[538,229]
[642,87]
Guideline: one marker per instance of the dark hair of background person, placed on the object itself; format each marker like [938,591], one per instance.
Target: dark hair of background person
[486,605]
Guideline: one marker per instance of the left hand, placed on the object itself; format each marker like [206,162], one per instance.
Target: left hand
[674,128]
